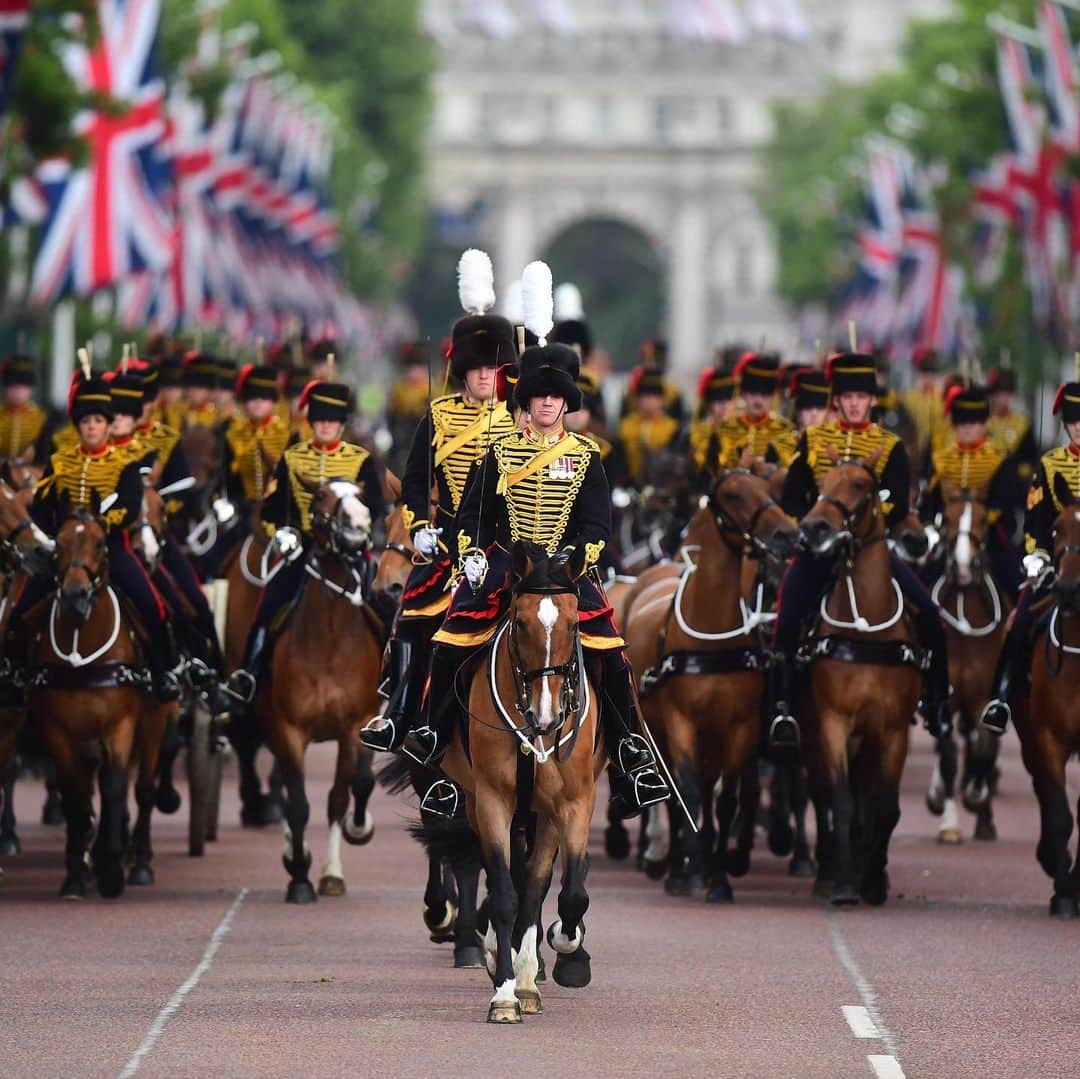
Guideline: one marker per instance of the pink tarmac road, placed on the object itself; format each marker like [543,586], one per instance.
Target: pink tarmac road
[209,972]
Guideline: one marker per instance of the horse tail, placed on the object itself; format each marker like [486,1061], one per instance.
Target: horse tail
[395,776]
[452,840]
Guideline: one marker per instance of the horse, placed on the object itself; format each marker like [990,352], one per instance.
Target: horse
[865,686]
[704,665]
[974,611]
[330,630]
[530,747]
[1048,721]
[88,642]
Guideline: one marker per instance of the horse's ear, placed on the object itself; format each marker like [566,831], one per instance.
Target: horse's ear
[5,474]
[391,486]
[833,454]
[95,503]
[1062,491]
[519,560]
[310,485]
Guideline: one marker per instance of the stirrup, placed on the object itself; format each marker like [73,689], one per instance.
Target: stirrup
[784,732]
[382,738]
[649,788]
[241,686]
[633,753]
[996,715]
[441,800]
[422,745]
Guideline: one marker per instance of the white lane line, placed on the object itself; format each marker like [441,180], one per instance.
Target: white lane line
[172,1005]
[886,1067]
[862,986]
[858,1018]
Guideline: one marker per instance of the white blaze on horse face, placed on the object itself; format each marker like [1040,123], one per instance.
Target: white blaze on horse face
[357,515]
[149,544]
[548,613]
[963,546]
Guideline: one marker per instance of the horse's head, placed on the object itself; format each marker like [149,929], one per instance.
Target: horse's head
[1067,548]
[848,506]
[82,560]
[396,560]
[147,532]
[742,505]
[543,639]
[340,522]
[964,531]
[20,472]
[22,543]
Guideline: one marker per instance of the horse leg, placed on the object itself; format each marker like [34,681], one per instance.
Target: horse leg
[844,893]
[941,795]
[9,838]
[978,794]
[52,812]
[737,860]
[1074,876]
[167,797]
[823,847]
[534,885]
[360,824]
[801,864]
[297,856]
[438,910]
[684,862]
[332,877]
[881,798]
[1053,848]
[616,837]
[493,817]
[726,802]
[274,808]
[110,846]
[573,969]
[781,835]
[252,799]
[141,871]
[656,841]
[76,790]
[467,950]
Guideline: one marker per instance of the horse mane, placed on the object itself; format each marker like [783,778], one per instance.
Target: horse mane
[548,573]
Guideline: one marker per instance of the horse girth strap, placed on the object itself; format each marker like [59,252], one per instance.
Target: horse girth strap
[540,461]
[857,650]
[462,438]
[689,662]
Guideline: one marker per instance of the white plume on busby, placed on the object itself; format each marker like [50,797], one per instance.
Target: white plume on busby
[476,282]
[568,303]
[511,305]
[537,302]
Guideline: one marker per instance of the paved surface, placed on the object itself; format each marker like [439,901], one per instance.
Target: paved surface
[210,973]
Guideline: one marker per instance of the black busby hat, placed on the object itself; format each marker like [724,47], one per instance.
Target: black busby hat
[255,381]
[226,373]
[1067,402]
[926,360]
[967,404]
[89,396]
[296,381]
[414,353]
[591,397]
[326,401]
[17,371]
[200,370]
[1001,380]
[809,388]
[149,376]
[645,383]
[126,391]
[654,353]
[171,368]
[549,369]
[479,339]
[852,372]
[715,384]
[758,372]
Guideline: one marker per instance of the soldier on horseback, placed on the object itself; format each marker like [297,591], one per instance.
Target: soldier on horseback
[286,512]
[22,422]
[1061,464]
[547,487]
[451,438]
[757,427]
[851,437]
[96,473]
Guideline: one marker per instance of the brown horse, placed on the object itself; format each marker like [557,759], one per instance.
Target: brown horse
[974,610]
[702,695]
[855,736]
[86,642]
[1048,723]
[324,684]
[530,749]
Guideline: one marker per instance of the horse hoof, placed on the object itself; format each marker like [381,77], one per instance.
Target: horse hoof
[985,830]
[654,870]
[167,800]
[541,972]
[720,893]
[73,888]
[934,805]
[679,886]
[52,812]
[874,893]
[300,891]
[10,845]
[1063,906]
[737,862]
[140,875]
[802,867]
[252,816]
[530,1001]
[844,895]
[617,843]
[331,886]
[504,1012]
[110,880]
[273,810]
[822,889]
[440,922]
[359,835]
[781,838]
[469,957]
[975,798]
[573,971]
[950,836]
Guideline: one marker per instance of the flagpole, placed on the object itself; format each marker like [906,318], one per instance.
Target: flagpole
[1006,27]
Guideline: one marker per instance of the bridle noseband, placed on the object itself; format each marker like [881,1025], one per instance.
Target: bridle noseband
[852,516]
[748,540]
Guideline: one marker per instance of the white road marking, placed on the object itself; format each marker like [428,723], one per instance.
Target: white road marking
[862,986]
[173,1004]
[858,1018]
[886,1067]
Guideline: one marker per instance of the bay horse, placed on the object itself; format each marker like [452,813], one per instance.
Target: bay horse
[974,609]
[530,747]
[1048,721]
[865,680]
[705,666]
[324,682]
[87,642]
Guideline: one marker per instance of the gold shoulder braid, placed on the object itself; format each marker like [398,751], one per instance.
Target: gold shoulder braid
[463,432]
[1059,462]
[80,476]
[246,442]
[20,428]
[304,460]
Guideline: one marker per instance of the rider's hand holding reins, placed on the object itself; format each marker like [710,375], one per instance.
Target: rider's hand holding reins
[287,541]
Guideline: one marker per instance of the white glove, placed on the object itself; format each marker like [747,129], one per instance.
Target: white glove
[1035,564]
[224,510]
[621,498]
[287,541]
[476,568]
[426,540]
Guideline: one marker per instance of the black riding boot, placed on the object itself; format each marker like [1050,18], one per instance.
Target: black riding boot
[934,707]
[635,781]
[242,682]
[427,743]
[1013,665]
[406,675]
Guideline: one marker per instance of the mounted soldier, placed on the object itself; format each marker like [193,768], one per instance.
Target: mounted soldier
[452,437]
[540,485]
[1009,428]
[851,437]
[757,429]
[22,423]
[808,389]
[200,379]
[1058,473]
[286,512]
[647,427]
[716,404]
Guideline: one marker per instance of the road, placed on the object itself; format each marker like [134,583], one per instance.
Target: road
[961,974]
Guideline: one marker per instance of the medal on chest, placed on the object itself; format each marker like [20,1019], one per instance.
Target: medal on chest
[562,468]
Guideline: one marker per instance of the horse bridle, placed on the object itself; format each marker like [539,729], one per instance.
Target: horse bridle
[748,540]
[851,517]
[96,576]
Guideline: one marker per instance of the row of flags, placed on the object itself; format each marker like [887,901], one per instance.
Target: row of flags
[218,222]
[695,20]
[905,292]
[14,18]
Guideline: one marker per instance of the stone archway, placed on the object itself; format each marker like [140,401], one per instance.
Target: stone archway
[621,276]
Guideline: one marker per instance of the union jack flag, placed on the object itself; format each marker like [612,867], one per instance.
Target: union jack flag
[108,219]
[14,18]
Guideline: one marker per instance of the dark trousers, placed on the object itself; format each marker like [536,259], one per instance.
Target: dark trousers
[178,583]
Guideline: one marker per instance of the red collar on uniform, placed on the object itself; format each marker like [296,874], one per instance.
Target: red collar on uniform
[145,428]
[259,424]
[845,426]
[760,421]
[545,440]
[318,447]
[94,453]
[971,447]
[123,440]
[16,408]
[1073,449]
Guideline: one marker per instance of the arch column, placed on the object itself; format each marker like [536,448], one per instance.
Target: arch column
[515,242]
[687,289]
